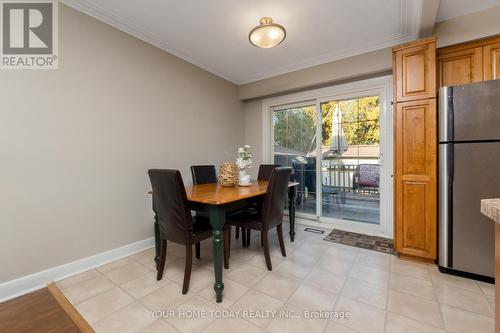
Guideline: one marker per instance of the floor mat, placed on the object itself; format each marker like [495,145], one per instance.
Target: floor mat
[373,243]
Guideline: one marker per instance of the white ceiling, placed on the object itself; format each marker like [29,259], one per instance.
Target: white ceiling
[213,34]
[453,8]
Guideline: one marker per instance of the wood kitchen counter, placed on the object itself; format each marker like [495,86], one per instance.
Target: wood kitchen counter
[491,208]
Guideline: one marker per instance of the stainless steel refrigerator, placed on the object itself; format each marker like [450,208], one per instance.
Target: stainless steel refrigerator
[469,170]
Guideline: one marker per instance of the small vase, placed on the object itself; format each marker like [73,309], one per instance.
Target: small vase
[241,173]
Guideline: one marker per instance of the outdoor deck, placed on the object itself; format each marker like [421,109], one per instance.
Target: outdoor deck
[355,207]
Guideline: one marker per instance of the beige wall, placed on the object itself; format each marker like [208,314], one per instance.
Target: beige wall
[76,143]
[254,133]
[468,27]
[361,65]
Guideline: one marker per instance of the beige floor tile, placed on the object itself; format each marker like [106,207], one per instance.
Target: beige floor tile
[243,254]
[460,321]
[200,279]
[78,278]
[255,301]
[144,255]
[338,266]
[371,275]
[278,285]
[291,266]
[284,324]
[491,301]
[143,285]
[325,280]
[334,327]
[365,292]
[409,268]
[132,318]
[311,298]
[232,325]
[416,308]
[176,249]
[247,275]
[399,324]
[409,285]
[174,269]
[259,260]
[202,311]
[472,301]
[100,306]
[374,259]
[456,281]
[363,317]
[343,252]
[79,292]
[165,298]
[127,273]
[232,292]
[313,249]
[115,264]
[487,288]
[159,326]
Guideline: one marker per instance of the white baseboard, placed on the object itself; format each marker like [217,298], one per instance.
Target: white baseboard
[29,283]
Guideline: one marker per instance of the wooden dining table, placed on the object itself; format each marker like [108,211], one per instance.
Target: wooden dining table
[216,200]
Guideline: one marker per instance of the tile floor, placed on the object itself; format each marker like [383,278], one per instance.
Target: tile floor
[380,292]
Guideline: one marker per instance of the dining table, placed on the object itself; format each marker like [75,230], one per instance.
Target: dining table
[216,200]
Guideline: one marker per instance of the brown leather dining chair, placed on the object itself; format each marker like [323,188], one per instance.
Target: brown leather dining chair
[203,174]
[175,220]
[265,171]
[269,217]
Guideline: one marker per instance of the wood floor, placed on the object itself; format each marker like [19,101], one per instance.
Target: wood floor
[38,311]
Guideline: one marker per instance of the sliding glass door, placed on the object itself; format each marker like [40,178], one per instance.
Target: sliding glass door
[294,145]
[335,139]
[350,168]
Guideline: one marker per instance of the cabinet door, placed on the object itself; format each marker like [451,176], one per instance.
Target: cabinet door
[415,72]
[491,61]
[415,173]
[460,67]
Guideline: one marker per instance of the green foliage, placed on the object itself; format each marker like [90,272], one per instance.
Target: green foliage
[296,128]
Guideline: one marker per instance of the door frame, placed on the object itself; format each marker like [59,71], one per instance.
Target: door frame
[381,86]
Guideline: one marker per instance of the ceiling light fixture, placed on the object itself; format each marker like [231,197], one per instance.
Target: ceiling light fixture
[267,34]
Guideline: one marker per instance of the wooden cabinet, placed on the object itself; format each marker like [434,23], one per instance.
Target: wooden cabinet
[460,66]
[415,183]
[414,71]
[415,150]
[470,62]
[491,61]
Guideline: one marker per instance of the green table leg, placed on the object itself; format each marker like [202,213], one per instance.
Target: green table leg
[217,216]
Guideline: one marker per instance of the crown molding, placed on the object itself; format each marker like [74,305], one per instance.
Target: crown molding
[411,11]
[124,25]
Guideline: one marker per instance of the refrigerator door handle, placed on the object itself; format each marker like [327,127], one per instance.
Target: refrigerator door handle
[446,115]
[446,174]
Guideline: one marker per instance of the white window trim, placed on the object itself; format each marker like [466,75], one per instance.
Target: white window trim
[381,86]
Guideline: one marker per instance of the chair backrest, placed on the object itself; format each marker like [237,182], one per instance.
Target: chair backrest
[274,201]
[203,174]
[369,175]
[170,201]
[265,171]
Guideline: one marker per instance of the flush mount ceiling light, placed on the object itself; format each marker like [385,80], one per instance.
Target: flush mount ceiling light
[267,34]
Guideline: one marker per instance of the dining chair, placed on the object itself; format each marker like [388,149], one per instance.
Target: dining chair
[269,217]
[203,174]
[175,220]
[265,171]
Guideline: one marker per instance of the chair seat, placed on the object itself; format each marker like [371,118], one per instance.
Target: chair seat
[249,219]
[201,228]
